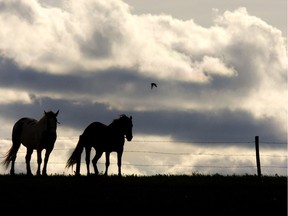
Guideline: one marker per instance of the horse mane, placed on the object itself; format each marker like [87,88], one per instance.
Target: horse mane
[120,117]
[117,121]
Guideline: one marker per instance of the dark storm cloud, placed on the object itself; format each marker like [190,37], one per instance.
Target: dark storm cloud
[215,126]
[71,114]
[103,82]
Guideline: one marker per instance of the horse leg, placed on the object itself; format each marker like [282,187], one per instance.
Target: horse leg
[95,160]
[39,161]
[16,142]
[13,159]
[27,159]
[12,170]
[78,164]
[87,159]
[46,158]
[12,154]
[119,162]
[107,164]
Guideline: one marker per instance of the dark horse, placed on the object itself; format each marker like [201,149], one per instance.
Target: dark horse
[102,138]
[34,135]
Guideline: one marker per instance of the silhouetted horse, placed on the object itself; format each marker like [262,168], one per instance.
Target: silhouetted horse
[102,138]
[34,135]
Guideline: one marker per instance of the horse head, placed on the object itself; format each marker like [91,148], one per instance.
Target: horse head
[51,120]
[127,126]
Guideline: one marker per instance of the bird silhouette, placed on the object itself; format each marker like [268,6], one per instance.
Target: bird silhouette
[153,85]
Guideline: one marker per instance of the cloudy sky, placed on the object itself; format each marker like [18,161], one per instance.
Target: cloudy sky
[220,66]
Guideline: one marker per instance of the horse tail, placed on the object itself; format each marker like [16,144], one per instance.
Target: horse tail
[76,154]
[16,142]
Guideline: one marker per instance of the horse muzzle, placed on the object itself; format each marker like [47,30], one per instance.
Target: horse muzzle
[129,138]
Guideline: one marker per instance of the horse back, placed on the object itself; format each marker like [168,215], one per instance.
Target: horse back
[24,131]
[101,137]
[95,128]
[21,125]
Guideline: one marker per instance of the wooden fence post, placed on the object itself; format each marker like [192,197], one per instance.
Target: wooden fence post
[257,156]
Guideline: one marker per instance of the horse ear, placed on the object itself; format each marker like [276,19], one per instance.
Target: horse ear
[56,113]
[131,118]
[45,112]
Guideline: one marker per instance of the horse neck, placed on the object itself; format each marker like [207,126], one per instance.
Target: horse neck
[43,124]
[115,127]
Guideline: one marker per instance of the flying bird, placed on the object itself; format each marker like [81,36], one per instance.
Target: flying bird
[153,85]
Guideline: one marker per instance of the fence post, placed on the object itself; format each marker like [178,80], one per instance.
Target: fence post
[257,156]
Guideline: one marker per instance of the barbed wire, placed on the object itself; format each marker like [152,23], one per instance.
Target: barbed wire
[179,141]
[177,154]
[173,165]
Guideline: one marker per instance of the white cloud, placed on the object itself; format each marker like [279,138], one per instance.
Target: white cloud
[212,65]
[9,96]
[95,35]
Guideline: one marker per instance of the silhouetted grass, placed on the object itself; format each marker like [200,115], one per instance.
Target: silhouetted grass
[162,194]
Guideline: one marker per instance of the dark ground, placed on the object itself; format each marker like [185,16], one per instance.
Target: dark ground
[162,195]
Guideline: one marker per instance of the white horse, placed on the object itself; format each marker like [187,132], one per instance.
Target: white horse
[34,135]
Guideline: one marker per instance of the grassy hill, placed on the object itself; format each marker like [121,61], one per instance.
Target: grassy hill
[170,195]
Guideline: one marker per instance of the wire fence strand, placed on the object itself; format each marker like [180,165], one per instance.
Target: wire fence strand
[201,154]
